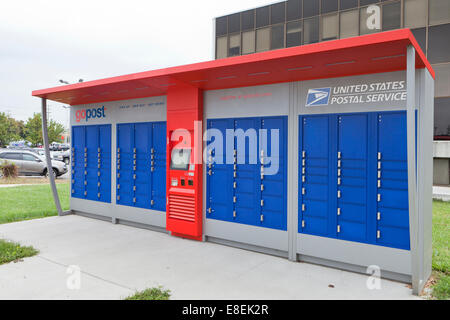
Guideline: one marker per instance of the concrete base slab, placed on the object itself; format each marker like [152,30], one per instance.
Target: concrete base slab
[116,260]
[441,193]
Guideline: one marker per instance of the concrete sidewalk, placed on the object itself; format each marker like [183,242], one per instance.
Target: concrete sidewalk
[441,193]
[116,260]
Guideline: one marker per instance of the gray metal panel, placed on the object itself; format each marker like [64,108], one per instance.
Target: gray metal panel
[268,100]
[139,215]
[360,254]
[257,236]
[93,207]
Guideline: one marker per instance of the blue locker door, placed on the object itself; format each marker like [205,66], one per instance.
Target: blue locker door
[159,166]
[78,145]
[104,157]
[274,183]
[247,180]
[314,173]
[352,177]
[392,184]
[125,175]
[219,179]
[91,164]
[143,134]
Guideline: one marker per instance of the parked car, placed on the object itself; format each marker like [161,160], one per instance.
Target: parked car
[29,163]
[63,156]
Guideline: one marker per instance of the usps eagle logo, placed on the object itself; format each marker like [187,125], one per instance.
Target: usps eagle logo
[318,97]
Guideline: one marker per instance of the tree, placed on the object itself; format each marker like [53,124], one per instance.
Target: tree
[33,130]
[10,129]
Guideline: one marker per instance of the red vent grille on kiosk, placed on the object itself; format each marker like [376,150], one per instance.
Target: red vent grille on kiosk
[181,207]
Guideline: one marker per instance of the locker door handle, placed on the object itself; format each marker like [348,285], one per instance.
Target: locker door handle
[262,187]
[118,187]
[339,163]
[339,155]
[209,172]
[303,170]
[379,165]
[303,207]
[209,210]
[303,223]
[152,202]
[378,216]
[303,154]
[338,229]
[379,183]
[339,194]
[379,197]
[234,199]
[303,179]
[339,181]
[262,203]
[262,218]
[338,211]
[234,185]
[303,191]
[234,214]
[378,234]
[379,155]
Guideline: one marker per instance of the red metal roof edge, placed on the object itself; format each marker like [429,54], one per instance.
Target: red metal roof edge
[376,38]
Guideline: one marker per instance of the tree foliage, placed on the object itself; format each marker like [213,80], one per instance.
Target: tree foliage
[10,129]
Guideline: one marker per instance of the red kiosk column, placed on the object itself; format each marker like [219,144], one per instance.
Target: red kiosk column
[184,161]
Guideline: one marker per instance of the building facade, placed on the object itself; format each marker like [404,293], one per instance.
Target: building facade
[300,22]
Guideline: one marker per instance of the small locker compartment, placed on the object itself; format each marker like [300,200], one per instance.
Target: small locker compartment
[314,175]
[392,181]
[91,164]
[141,165]
[352,178]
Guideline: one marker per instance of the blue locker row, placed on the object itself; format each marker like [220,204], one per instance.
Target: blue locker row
[91,162]
[245,190]
[141,165]
[353,178]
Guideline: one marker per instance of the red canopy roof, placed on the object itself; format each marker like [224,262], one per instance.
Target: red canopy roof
[375,53]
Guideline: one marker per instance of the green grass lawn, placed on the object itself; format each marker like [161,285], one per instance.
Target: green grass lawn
[11,251]
[151,294]
[441,256]
[31,202]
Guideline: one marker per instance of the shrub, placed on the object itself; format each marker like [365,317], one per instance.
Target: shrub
[8,170]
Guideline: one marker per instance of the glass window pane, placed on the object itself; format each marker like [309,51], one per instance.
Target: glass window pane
[221,26]
[367,2]
[329,6]
[439,11]
[234,23]
[248,20]
[248,42]
[310,8]
[348,4]
[330,27]
[221,47]
[349,23]
[278,13]
[420,34]
[294,10]
[235,45]
[365,22]
[294,34]
[277,40]
[262,17]
[441,116]
[415,13]
[438,44]
[442,84]
[391,16]
[263,39]
[311,30]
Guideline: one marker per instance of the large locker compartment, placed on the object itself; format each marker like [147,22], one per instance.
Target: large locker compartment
[353,177]
[141,165]
[91,162]
[244,189]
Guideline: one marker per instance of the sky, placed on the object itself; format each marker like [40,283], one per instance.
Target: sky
[43,41]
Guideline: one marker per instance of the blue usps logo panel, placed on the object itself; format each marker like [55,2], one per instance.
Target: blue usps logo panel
[318,97]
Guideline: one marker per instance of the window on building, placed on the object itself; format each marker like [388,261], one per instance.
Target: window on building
[294,10]
[421,36]
[221,26]
[278,13]
[235,45]
[248,42]
[310,8]
[311,30]
[439,11]
[277,37]
[438,43]
[415,13]
[262,17]
[391,16]
[367,2]
[349,23]
[262,39]
[234,23]
[442,83]
[293,34]
[330,27]
[221,47]
[348,4]
[441,116]
[365,18]
[329,6]
[248,20]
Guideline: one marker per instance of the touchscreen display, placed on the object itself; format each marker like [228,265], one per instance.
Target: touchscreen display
[180,159]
